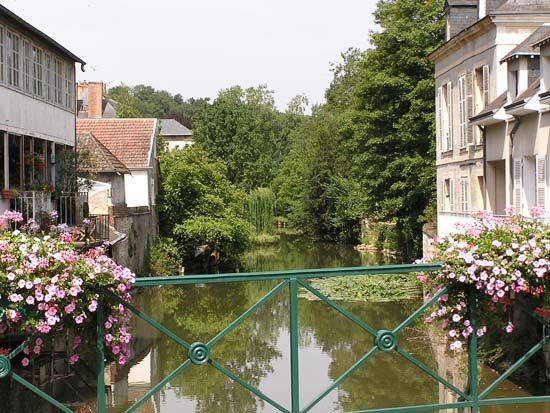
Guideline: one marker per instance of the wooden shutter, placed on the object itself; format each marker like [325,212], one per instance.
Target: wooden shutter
[449,116]
[464,194]
[470,104]
[462,110]
[439,108]
[541,180]
[452,194]
[485,85]
[517,172]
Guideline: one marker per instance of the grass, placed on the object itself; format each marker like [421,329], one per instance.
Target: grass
[368,288]
[266,239]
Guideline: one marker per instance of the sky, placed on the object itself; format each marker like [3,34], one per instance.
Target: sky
[199,47]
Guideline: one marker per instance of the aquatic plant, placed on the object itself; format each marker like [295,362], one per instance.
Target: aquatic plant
[47,284]
[502,259]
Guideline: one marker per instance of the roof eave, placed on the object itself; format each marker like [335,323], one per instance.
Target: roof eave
[42,35]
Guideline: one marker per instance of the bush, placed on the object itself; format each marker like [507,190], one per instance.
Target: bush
[165,257]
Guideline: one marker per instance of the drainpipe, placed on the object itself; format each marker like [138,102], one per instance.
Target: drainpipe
[483,130]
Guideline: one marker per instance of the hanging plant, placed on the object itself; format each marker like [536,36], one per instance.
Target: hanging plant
[47,284]
[503,259]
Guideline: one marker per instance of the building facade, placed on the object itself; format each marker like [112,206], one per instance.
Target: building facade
[471,81]
[37,116]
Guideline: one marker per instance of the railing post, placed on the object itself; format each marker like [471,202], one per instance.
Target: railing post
[294,366]
[100,355]
[473,375]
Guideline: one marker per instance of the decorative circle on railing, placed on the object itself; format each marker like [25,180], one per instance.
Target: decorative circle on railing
[385,340]
[198,353]
[5,366]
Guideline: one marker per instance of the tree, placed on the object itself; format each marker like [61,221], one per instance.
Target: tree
[243,128]
[199,207]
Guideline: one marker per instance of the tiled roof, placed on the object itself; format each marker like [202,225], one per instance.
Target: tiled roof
[95,157]
[492,107]
[523,6]
[171,127]
[527,46]
[130,140]
[531,91]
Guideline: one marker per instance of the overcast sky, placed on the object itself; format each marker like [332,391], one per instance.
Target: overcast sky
[198,47]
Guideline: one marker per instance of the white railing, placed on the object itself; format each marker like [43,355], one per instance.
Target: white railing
[31,203]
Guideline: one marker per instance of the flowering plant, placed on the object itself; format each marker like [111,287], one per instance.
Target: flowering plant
[502,258]
[45,282]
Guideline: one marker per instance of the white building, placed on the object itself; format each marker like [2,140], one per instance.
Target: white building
[37,116]
[471,82]
[175,135]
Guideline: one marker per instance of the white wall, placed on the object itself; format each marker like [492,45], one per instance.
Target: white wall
[178,143]
[23,114]
[446,222]
[136,186]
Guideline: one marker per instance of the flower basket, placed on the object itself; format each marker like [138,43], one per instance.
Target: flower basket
[8,194]
[41,166]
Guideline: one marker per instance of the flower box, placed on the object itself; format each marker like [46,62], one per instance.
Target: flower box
[8,194]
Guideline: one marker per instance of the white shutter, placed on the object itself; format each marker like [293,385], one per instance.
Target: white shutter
[440,134]
[485,85]
[462,110]
[470,105]
[449,116]
[464,194]
[541,180]
[452,194]
[517,172]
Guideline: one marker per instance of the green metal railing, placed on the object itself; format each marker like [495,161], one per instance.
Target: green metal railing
[385,340]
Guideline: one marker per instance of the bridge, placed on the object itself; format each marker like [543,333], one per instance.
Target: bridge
[470,399]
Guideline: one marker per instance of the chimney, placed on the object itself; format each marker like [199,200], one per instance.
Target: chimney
[95,99]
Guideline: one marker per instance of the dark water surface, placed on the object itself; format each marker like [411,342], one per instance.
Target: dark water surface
[258,350]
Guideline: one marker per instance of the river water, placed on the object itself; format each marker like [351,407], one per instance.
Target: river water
[258,350]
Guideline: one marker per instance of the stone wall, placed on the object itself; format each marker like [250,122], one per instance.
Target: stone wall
[141,229]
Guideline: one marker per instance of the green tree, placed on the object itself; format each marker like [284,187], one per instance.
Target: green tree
[243,128]
[199,207]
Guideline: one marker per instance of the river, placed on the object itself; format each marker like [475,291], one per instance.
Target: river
[258,350]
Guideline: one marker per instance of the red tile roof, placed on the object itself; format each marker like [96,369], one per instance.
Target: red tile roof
[130,140]
[95,157]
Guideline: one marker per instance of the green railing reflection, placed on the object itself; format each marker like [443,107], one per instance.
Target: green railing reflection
[384,340]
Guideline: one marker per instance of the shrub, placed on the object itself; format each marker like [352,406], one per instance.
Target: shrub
[165,258]
[502,259]
[47,284]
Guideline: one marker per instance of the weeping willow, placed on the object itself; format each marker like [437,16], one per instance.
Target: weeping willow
[261,208]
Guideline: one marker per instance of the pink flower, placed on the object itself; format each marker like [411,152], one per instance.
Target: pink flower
[74,358]
[25,362]
[93,306]
[115,350]
[510,327]
[70,308]
[79,319]
[122,360]
[43,327]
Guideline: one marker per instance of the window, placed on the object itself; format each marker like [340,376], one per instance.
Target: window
[69,86]
[48,78]
[13,59]
[464,194]
[517,174]
[14,155]
[2,41]
[37,71]
[449,194]
[481,87]
[58,81]
[27,62]
[445,117]
[462,111]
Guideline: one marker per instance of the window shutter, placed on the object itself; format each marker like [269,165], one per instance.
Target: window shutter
[470,104]
[541,180]
[462,111]
[485,85]
[439,105]
[452,194]
[517,172]
[449,116]
[464,193]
